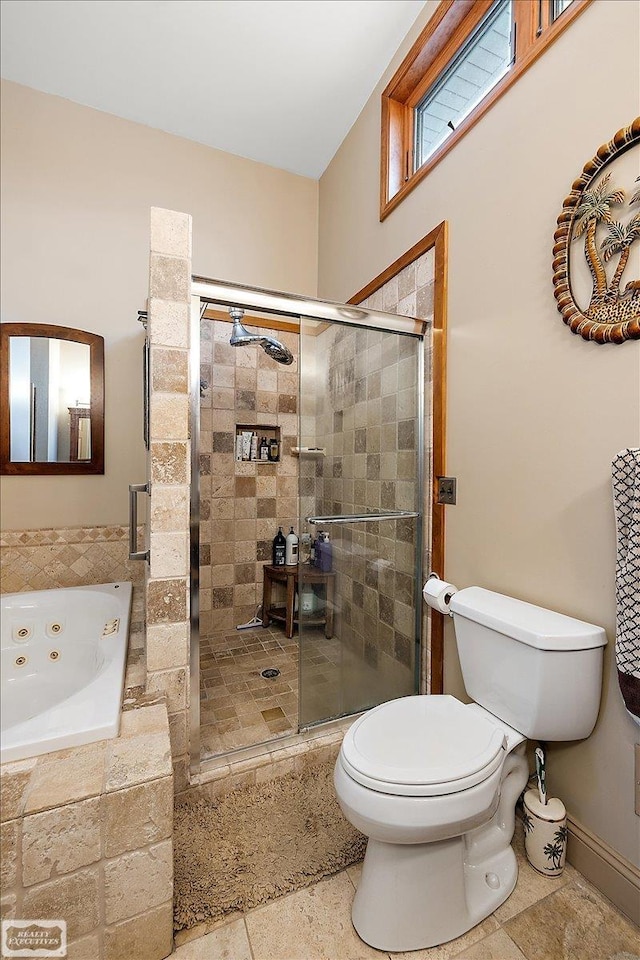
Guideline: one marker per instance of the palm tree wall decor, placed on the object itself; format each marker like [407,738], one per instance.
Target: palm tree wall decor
[590,211]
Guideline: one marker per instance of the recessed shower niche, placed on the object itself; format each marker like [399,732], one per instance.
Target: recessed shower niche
[257,443]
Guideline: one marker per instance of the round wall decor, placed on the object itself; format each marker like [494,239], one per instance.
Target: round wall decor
[596,244]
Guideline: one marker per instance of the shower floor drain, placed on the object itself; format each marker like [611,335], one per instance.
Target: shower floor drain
[270,673]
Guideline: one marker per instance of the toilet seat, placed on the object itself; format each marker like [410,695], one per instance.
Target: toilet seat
[422,746]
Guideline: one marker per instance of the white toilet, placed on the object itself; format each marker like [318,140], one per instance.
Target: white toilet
[434,782]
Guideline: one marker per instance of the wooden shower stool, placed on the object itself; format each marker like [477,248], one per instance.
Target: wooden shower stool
[293,577]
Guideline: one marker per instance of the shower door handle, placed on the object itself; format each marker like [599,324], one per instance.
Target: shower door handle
[134,490]
[363,517]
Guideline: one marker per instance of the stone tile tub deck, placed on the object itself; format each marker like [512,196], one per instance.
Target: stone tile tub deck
[86,836]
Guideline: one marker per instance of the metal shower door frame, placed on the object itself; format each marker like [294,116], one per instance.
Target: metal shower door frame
[205,291]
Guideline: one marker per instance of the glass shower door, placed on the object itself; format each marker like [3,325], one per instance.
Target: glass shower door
[361,451]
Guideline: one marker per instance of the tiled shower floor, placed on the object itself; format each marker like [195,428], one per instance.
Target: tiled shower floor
[238,707]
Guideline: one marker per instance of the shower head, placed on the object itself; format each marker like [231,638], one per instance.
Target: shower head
[276,350]
[240,337]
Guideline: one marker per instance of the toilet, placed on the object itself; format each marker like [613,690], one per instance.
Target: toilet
[433,782]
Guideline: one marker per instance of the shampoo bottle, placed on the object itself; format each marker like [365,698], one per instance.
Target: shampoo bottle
[279,548]
[291,554]
[325,555]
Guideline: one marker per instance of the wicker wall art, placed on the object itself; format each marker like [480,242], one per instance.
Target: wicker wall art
[596,245]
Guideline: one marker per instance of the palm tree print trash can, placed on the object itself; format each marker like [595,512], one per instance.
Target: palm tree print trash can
[545,834]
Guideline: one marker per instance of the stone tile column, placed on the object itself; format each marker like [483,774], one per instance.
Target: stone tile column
[167,586]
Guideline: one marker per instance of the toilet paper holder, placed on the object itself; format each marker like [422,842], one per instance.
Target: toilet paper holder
[439,601]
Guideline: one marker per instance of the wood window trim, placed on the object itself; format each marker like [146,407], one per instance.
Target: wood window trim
[438,240]
[442,37]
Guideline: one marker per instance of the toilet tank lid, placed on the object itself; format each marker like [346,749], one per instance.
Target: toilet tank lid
[535,626]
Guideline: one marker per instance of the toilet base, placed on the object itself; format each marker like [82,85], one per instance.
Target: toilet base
[414,896]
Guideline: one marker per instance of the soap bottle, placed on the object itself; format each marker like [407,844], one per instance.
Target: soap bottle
[264,449]
[274,449]
[279,549]
[324,554]
[254,446]
[291,554]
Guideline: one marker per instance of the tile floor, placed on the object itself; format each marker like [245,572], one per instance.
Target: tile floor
[543,919]
[238,707]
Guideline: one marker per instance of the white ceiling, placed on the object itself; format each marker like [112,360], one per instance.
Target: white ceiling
[279,81]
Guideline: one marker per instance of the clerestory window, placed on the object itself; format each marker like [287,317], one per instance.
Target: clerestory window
[467,56]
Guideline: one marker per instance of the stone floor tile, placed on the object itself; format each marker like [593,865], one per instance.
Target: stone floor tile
[574,923]
[531,886]
[311,924]
[354,872]
[226,942]
[202,929]
[454,948]
[497,946]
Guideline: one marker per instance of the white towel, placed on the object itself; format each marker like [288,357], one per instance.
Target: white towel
[625,471]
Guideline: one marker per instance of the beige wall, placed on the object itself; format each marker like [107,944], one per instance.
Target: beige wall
[535,414]
[77,188]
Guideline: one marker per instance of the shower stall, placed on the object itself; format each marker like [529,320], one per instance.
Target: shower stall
[338,392]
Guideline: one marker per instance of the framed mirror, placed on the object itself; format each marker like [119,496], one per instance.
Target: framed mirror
[52,397]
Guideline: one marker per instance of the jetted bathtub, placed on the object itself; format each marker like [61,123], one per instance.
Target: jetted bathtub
[63,655]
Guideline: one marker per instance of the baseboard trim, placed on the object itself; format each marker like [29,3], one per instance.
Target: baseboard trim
[605,868]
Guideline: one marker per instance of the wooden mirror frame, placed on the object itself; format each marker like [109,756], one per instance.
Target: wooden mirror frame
[580,324]
[96,360]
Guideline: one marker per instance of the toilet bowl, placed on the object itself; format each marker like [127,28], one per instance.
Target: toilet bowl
[433,782]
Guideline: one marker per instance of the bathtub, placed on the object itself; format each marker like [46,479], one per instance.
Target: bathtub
[63,658]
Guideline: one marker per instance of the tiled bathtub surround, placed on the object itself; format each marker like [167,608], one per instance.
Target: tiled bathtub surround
[77,557]
[167,585]
[87,838]
[242,503]
[65,557]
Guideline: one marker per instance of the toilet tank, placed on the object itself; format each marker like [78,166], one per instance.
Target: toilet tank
[539,671]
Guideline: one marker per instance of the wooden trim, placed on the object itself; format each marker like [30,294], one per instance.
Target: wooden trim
[429,45]
[434,48]
[617,878]
[439,455]
[95,465]
[266,324]
[455,41]
[438,239]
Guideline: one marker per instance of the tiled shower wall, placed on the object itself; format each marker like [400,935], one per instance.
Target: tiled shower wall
[411,294]
[363,413]
[242,503]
